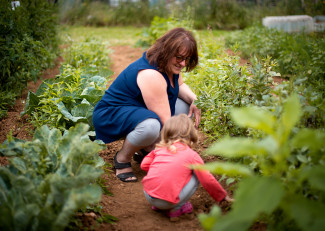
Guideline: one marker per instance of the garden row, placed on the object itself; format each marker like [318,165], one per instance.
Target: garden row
[58,173]
[271,135]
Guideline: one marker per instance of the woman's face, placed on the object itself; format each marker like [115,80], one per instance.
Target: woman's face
[179,61]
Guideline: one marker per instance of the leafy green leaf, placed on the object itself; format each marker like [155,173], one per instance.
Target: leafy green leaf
[229,169]
[312,139]
[259,194]
[207,221]
[254,196]
[92,94]
[254,117]
[237,147]
[291,114]
[19,164]
[98,80]
[309,215]
[315,176]
[32,102]
[82,110]
[68,115]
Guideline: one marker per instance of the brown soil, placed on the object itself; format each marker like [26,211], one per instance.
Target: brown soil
[128,203]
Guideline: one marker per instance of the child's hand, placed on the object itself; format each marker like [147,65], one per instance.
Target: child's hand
[226,202]
[229,199]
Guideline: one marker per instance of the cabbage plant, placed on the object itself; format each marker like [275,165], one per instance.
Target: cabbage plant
[49,178]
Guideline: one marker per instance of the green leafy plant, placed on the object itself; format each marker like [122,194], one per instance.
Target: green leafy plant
[49,178]
[66,100]
[300,59]
[285,186]
[70,98]
[88,53]
[222,83]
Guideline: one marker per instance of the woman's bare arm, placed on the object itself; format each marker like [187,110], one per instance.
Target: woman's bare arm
[153,87]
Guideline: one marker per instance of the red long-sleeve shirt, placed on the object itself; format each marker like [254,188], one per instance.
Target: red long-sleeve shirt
[169,172]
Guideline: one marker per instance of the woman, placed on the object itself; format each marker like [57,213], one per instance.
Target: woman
[145,95]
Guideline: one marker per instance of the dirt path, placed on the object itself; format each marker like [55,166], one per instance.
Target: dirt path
[128,203]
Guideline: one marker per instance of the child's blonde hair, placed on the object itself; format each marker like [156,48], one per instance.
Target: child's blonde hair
[178,128]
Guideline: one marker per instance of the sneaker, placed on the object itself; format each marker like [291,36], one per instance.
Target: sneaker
[154,208]
[186,208]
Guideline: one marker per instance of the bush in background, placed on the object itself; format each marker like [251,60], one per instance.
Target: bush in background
[97,13]
[28,45]
[158,27]
[217,14]
[300,59]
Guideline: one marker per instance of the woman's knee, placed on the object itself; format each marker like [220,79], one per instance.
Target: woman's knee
[181,107]
[151,129]
[145,133]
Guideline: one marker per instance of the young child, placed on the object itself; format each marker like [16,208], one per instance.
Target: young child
[169,182]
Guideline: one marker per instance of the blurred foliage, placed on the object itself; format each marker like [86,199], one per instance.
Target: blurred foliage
[282,172]
[218,14]
[158,27]
[97,13]
[28,45]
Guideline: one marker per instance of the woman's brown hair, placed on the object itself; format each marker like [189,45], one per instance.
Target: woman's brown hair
[178,128]
[169,45]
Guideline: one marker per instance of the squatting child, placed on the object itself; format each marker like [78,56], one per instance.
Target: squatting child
[170,183]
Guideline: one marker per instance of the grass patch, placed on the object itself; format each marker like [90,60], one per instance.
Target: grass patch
[115,36]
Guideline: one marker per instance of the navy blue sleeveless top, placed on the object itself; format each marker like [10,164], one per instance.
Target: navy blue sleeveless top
[122,106]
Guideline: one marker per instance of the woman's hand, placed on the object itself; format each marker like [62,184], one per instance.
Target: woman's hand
[226,202]
[197,114]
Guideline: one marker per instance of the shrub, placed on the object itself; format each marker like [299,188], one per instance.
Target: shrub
[300,59]
[28,44]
